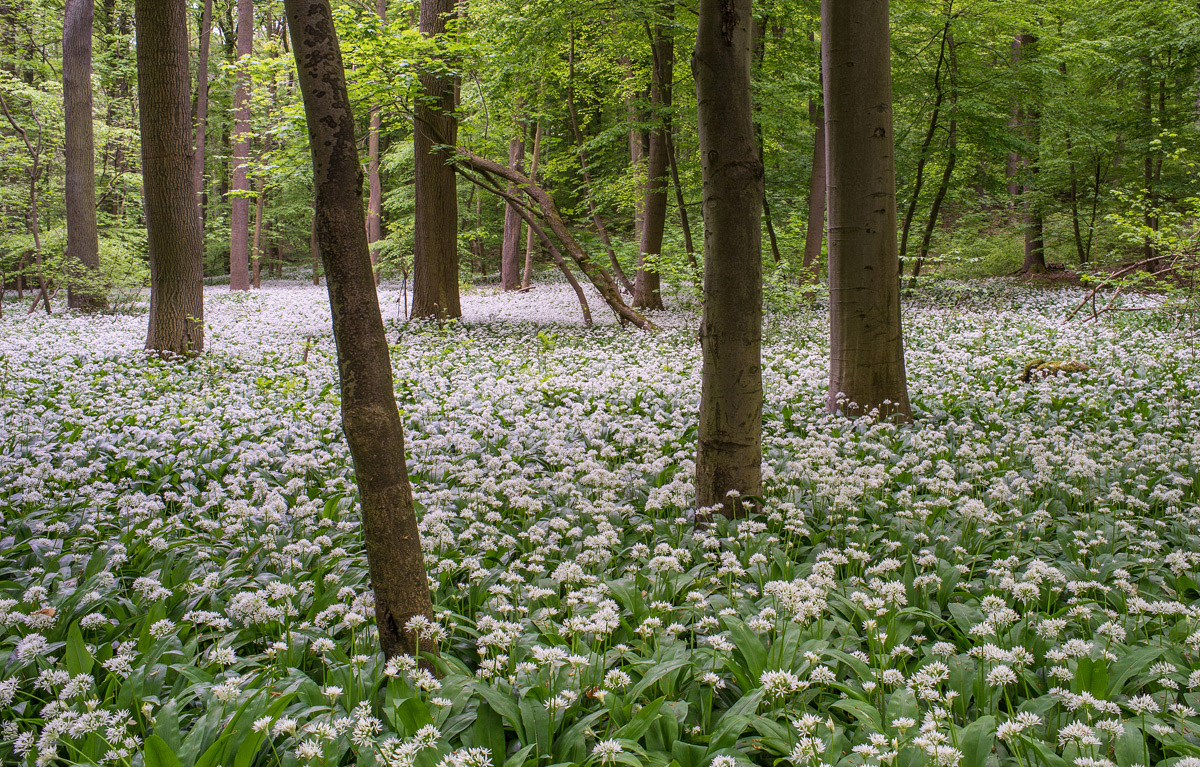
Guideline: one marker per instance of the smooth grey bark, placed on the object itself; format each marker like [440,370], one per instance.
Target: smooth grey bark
[866,365]
[369,414]
[647,284]
[729,444]
[374,183]
[172,224]
[239,213]
[83,237]
[435,257]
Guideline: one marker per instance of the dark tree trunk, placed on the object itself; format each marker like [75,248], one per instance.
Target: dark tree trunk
[527,275]
[759,46]
[815,232]
[374,184]
[83,239]
[866,366]
[510,245]
[172,226]
[1034,225]
[647,284]
[435,261]
[256,246]
[239,213]
[369,415]
[684,222]
[729,449]
[202,99]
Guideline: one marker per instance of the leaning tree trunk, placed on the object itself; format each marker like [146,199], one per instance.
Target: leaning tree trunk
[83,239]
[729,449]
[239,212]
[647,283]
[435,260]
[510,244]
[172,224]
[369,415]
[866,364]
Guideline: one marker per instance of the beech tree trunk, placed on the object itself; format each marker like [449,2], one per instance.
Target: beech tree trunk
[527,275]
[684,222]
[510,245]
[172,224]
[1034,222]
[83,239]
[374,184]
[239,213]
[435,259]
[647,283]
[729,449]
[866,366]
[202,99]
[369,415]
[814,235]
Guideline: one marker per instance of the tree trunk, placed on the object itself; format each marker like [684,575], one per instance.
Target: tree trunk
[83,239]
[647,283]
[202,98]
[866,366]
[814,234]
[510,246]
[1035,241]
[369,415]
[256,248]
[374,185]
[684,222]
[435,260]
[527,275]
[759,47]
[239,213]
[947,174]
[172,226]
[729,440]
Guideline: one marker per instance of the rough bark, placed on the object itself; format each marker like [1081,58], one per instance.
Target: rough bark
[866,370]
[202,98]
[647,293]
[369,414]
[729,444]
[527,275]
[374,184]
[510,245]
[435,259]
[83,239]
[239,212]
[172,225]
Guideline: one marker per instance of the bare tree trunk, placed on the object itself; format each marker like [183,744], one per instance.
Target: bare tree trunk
[684,222]
[374,184]
[83,238]
[510,245]
[866,366]
[527,276]
[601,231]
[729,440]
[315,249]
[172,225]
[435,261]
[637,155]
[947,173]
[1035,240]
[814,234]
[256,247]
[202,97]
[33,175]
[647,293]
[369,415]
[759,46]
[239,213]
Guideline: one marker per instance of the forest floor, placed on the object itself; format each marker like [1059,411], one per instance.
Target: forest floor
[1013,577]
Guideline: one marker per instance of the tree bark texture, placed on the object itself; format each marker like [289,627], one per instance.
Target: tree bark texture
[239,213]
[369,414]
[510,245]
[172,224]
[866,366]
[647,293]
[435,259]
[83,239]
[729,449]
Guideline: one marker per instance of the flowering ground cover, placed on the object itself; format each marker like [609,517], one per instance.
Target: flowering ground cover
[1010,581]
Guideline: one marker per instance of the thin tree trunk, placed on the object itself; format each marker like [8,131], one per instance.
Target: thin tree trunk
[172,226]
[601,231]
[370,418]
[866,370]
[729,439]
[947,173]
[435,261]
[1035,239]
[33,174]
[759,46]
[315,249]
[239,213]
[647,286]
[684,221]
[374,184]
[83,238]
[202,97]
[637,156]
[537,230]
[527,276]
[510,245]
[814,234]
[256,246]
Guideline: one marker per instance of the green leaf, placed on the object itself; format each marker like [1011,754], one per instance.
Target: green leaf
[78,659]
[158,754]
[976,740]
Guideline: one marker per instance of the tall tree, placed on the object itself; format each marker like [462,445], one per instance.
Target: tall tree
[83,238]
[239,213]
[866,361]
[510,243]
[729,450]
[647,284]
[435,131]
[374,184]
[202,98]
[369,415]
[172,224]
